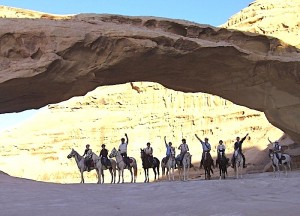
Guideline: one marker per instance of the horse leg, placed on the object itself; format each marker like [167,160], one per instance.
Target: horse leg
[82,179]
[119,172]
[98,174]
[154,170]
[111,174]
[131,174]
[102,174]
[114,175]
[145,175]
[173,173]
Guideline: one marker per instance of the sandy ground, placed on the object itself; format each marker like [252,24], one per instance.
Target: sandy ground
[255,194]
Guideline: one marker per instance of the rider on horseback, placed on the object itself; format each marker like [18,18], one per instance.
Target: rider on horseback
[205,147]
[88,156]
[168,153]
[238,146]
[184,148]
[220,148]
[123,150]
[149,153]
[103,155]
[277,150]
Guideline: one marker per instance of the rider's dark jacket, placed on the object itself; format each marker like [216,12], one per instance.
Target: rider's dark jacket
[238,145]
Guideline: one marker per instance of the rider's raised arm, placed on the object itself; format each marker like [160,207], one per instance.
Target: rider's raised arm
[270,141]
[165,141]
[198,138]
[242,140]
[126,138]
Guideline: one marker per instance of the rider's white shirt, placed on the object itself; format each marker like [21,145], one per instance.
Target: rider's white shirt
[123,147]
[183,148]
[148,151]
[221,147]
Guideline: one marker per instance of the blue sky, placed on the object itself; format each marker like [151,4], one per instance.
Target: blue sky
[213,12]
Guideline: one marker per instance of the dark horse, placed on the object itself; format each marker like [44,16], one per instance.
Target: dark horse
[207,164]
[223,164]
[149,164]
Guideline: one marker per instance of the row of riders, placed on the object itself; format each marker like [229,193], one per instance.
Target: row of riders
[182,161]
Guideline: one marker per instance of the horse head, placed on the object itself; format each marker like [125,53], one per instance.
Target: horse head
[173,152]
[113,153]
[271,153]
[72,154]
[142,153]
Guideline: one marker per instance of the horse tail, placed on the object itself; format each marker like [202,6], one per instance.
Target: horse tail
[158,165]
[135,169]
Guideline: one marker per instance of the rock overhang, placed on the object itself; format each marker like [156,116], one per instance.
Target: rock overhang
[48,61]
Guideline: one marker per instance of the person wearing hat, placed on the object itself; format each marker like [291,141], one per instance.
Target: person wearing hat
[277,150]
[206,147]
[88,157]
[103,155]
[149,152]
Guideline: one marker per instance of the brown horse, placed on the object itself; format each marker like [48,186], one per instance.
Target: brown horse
[208,163]
[147,164]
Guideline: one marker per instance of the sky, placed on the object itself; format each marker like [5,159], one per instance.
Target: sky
[212,12]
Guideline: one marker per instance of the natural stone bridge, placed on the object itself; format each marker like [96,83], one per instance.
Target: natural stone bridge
[46,61]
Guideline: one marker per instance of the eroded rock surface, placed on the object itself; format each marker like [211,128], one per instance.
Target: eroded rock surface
[146,112]
[46,61]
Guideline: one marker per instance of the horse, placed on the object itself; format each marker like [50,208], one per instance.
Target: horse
[171,164]
[184,166]
[285,162]
[223,164]
[207,164]
[121,165]
[82,167]
[112,168]
[238,165]
[164,166]
[147,164]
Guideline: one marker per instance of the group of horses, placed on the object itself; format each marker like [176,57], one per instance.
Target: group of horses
[168,166]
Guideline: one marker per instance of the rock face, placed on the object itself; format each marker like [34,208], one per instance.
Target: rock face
[51,59]
[277,18]
[146,112]
[46,61]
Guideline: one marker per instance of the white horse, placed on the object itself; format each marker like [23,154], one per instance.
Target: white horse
[82,167]
[285,162]
[121,165]
[171,164]
[238,166]
[184,169]
[112,168]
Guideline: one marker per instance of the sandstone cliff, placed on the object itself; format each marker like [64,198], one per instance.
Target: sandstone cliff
[146,112]
[71,57]
[42,63]
[277,18]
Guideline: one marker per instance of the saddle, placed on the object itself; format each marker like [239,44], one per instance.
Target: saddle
[164,160]
[90,164]
[127,160]
[106,162]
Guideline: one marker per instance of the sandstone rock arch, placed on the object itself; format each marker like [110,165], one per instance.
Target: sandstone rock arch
[47,61]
